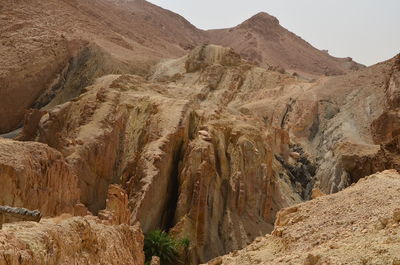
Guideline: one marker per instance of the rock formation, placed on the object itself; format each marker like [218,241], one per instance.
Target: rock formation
[355,226]
[209,143]
[65,240]
[35,176]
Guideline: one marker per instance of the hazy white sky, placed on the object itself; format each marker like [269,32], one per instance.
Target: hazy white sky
[366,30]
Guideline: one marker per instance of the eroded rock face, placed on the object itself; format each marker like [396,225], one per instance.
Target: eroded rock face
[186,162]
[35,176]
[351,234]
[342,123]
[199,156]
[229,180]
[123,134]
[117,210]
[66,240]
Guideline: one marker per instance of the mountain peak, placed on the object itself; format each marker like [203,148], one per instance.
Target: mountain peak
[263,17]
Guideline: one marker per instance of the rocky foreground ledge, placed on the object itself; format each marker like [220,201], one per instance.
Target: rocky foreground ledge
[360,225]
[70,240]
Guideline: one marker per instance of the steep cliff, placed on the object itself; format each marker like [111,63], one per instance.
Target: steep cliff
[35,176]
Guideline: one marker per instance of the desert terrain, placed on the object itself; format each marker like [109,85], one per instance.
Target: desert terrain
[119,118]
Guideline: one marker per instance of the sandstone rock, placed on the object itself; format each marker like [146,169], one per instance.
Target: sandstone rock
[81,210]
[249,39]
[218,193]
[295,155]
[35,176]
[155,261]
[55,58]
[316,193]
[312,259]
[74,240]
[117,210]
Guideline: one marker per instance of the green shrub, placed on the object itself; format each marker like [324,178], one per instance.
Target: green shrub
[159,243]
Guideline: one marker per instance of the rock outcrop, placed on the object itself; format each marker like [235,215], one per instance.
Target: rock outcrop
[35,176]
[346,124]
[117,210]
[66,240]
[355,226]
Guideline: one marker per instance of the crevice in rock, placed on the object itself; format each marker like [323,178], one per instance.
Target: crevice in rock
[74,65]
[167,219]
[287,111]
[301,173]
[314,128]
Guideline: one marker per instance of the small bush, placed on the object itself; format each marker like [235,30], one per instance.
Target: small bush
[159,243]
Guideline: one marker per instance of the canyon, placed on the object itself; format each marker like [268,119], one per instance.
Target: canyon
[123,118]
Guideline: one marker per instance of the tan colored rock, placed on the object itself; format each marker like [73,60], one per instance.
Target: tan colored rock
[122,134]
[295,155]
[229,183]
[81,210]
[74,240]
[349,236]
[117,210]
[316,193]
[35,176]
[57,58]
[155,260]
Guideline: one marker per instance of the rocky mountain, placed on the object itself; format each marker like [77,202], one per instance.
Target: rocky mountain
[51,50]
[263,40]
[125,132]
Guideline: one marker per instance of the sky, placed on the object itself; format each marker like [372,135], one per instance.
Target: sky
[366,30]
